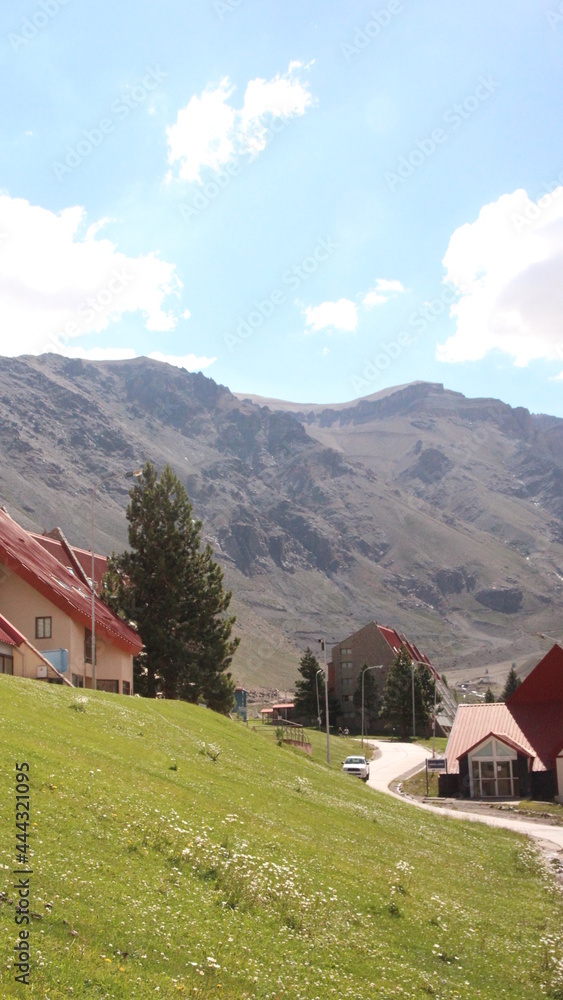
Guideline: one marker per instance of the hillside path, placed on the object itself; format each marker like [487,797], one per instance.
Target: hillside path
[400,760]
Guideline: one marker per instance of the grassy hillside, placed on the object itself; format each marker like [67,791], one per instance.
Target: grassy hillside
[177,853]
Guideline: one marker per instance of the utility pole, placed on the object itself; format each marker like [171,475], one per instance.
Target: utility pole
[323,647]
[364,672]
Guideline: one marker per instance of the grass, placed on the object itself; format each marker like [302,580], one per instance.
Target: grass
[177,853]
[417,784]
[528,807]
[440,743]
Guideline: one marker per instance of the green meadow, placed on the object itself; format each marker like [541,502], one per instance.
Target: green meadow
[178,853]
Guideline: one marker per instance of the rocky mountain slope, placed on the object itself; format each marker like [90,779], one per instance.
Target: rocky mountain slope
[417,507]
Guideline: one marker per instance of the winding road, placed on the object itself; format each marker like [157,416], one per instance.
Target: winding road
[400,760]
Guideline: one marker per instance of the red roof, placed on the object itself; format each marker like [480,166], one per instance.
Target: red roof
[27,558]
[9,634]
[519,747]
[78,560]
[544,684]
[532,717]
[395,641]
[289,705]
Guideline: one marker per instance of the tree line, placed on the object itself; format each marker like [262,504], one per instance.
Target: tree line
[394,706]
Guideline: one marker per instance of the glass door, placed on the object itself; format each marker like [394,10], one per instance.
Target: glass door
[493,779]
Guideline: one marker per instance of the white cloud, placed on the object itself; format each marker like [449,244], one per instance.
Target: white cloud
[341,315]
[210,133]
[189,361]
[57,285]
[100,353]
[382,291]
[506,267]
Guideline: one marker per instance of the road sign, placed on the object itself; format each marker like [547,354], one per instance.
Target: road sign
[436,763]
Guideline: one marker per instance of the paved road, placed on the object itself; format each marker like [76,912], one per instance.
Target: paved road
[399,760]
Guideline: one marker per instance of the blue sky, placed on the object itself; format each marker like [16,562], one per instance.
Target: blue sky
[306,201]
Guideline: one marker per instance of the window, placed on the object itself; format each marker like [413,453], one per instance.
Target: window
[126,687]
[77,681]
[111,686]
[347,682]
[43,628]
[88,646]
[497,776]
[6,664]
[348,697]
[346,664]
[345,652]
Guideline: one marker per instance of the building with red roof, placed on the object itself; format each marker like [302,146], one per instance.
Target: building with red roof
[76,559]
[512,749]
[48,599]
[372,645]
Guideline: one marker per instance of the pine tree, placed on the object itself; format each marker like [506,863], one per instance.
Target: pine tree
[512,682]
[489,696]
[397,696]
[172,589]
[306,689]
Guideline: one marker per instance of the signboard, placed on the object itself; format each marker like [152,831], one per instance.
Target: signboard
[436,764]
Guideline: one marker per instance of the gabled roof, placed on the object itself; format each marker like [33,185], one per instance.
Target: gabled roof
[78,560]
[513,744]
[537,726]
[544,684]
[29,560]
[394,640]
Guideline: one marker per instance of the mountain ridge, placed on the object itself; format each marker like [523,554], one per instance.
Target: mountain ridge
[439,514]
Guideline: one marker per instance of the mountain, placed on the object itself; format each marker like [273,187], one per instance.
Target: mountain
[416,506]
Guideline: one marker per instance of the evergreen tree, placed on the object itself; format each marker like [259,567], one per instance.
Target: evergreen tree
[512,682]
[426,678]
[372,702]
[306,689]
[172,589]
[396,708]
[489,696]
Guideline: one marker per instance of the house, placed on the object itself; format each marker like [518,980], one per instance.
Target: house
[20,659]
[50,603]
[372,645]
[512,749]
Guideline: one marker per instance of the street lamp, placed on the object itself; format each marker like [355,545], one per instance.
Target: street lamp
[318,700]
[379,666]
[322,642]
[116,475]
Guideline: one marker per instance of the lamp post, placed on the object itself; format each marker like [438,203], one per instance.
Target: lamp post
[322,642]
[318,699]
[379,666]
[116,475]
[413,709]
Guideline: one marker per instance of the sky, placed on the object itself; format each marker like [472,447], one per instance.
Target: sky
[307,201]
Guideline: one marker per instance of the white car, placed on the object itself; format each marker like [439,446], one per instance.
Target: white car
[358,766]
